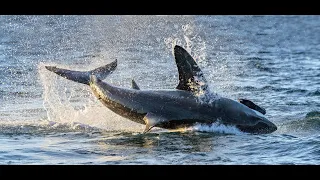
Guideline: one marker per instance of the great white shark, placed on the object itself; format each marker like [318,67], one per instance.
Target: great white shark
[191,102]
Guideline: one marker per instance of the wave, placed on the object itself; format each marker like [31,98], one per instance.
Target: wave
[277,89]
[313,114]
[43,127]
[256,58]
[255,62]
[314,93]
[310,123]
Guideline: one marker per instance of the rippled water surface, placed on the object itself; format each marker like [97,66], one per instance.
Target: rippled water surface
[45,119]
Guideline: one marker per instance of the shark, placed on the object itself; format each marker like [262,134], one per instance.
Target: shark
[190,103]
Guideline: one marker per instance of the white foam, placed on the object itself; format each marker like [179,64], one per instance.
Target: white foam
[217,128]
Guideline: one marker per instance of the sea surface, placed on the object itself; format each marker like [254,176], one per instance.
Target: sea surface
[45,119]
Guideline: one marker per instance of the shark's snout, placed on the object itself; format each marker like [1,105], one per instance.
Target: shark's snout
[262,127]
[269,126]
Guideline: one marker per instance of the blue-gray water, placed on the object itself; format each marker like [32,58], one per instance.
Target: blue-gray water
[45,119]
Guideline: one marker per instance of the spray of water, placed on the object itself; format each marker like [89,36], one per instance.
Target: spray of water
[196,47]
[68,102]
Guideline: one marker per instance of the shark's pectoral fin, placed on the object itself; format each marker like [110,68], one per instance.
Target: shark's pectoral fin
[252,105]
[152,120]
[134,85]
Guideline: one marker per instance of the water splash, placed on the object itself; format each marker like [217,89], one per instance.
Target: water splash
[196,47]
[192,42]
[73,103]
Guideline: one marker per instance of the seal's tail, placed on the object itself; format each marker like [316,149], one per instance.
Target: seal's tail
[84,76]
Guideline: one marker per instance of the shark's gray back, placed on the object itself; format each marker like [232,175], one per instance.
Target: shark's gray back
[171,103]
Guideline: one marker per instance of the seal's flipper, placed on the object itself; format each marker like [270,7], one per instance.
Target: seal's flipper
[190,75]
[84,76]
[252,105]
[151,120]
[134,85]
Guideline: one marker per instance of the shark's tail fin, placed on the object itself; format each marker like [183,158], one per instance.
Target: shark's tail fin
[84,76]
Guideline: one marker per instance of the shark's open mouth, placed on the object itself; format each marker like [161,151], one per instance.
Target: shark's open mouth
[259,128]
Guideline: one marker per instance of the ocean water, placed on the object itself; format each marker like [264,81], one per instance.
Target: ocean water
[45,119]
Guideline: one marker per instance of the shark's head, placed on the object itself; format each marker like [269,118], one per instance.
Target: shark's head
[245,118]
[262,126]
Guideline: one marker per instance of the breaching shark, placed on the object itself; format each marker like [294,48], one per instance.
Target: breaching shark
[190,103]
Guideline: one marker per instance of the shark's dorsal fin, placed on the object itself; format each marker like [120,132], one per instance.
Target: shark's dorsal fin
[134,85]
[151,120]
[190,75]
[252,105]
